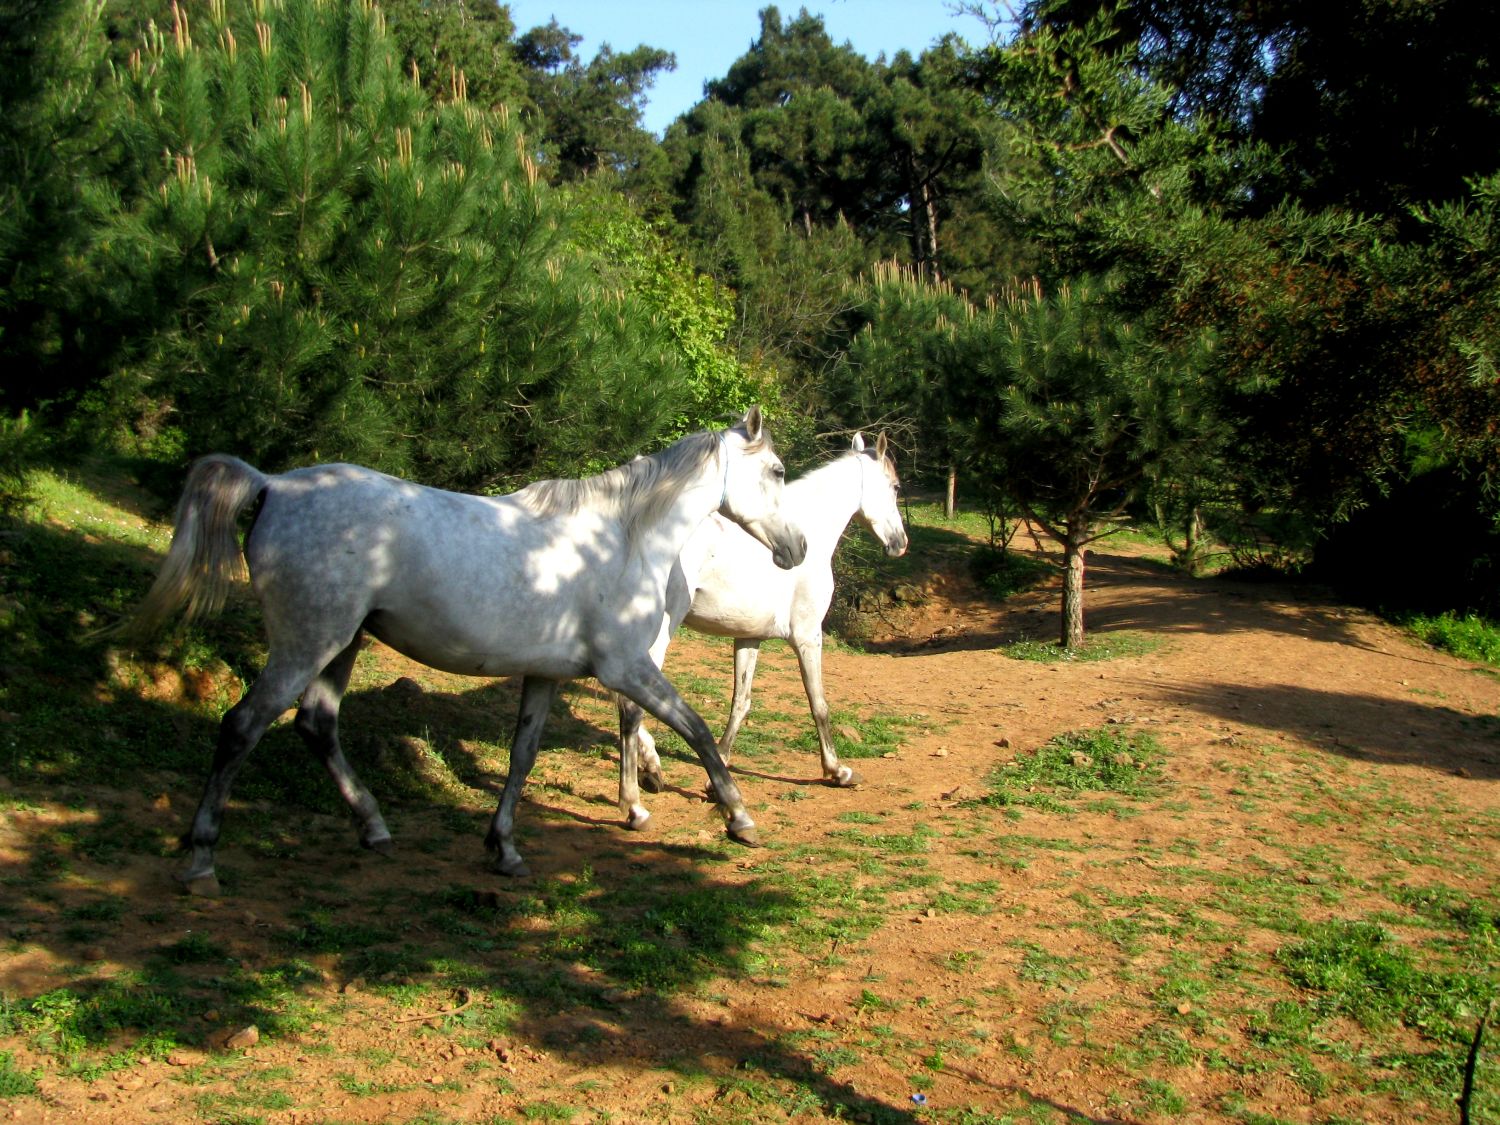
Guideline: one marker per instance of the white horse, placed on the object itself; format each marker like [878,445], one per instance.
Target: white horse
[725,584]
[561,579]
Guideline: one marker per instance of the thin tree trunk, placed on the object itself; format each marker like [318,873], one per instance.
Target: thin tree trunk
[1194,539]
[929,213]
[1072,598]
[950,497]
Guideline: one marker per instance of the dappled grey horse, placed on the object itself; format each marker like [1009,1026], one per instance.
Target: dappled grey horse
[726,584]
[563,578]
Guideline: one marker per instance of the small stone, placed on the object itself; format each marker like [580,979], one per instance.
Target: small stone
[1003,743]
[247,1036]
[1184,1008]
[162,803]
[178,1058]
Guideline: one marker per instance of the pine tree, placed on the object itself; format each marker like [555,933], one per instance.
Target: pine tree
[332,265]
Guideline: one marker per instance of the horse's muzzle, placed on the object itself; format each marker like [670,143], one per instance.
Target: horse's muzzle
[789,554]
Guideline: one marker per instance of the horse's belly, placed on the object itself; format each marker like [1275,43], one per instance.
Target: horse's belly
[491,653]
[722,614]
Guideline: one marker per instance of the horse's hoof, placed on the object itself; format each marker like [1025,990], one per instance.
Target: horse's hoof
[638,822]
[200,886]
[516,869]
[653,781]
[749,836]
[846,778]
[384,846]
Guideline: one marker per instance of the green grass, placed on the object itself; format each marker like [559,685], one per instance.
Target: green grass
[14,1082]
[858,736]
[1107,759]
[1095,647]
[1467,636]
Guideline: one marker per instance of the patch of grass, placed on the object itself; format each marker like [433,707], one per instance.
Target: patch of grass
[1360,970]
[14,1082]
[858,736]
[896,843]
[1106,759]
[1004,573]
[1469,637]
[1038,966]
[1095,647]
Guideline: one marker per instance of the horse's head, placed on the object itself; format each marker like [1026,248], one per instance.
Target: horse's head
[754,480]
[879,487]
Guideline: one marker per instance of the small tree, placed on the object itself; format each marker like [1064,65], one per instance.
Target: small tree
[1053,402]
[1084,410]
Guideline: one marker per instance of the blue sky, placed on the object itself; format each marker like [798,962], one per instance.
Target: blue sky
[708,35]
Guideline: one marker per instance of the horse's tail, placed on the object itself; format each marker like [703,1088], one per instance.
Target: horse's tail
[205,557]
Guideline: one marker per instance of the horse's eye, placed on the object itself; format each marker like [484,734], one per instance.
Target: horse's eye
[779,472]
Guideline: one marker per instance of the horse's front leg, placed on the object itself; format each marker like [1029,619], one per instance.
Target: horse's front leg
[810,659]
[643,682]
[537,695]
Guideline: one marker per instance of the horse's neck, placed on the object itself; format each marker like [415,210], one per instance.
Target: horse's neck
[658,544]
[823,502]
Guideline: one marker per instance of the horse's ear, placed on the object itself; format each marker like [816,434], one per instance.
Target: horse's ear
[858,444]
[880,446]
[752,423]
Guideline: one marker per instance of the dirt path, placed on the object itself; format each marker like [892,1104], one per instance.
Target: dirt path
[1111,962]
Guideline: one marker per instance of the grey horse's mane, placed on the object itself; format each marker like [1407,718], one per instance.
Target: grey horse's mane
[637,492]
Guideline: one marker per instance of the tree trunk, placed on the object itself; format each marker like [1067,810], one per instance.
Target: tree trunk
[950,497]
[1072,598]
[1194,539]
[929,213]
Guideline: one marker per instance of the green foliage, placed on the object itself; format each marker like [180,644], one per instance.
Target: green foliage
[316,261]
[1468,636]
[471,38]
[1004,573]
[697,312]
[591,112]
[1109,759]
[22,446]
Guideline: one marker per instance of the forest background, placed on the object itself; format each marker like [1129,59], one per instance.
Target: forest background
[1230,270]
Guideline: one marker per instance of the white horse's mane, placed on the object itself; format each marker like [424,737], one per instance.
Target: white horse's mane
[637,492]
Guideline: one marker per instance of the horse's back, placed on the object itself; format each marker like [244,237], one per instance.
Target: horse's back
[450,579]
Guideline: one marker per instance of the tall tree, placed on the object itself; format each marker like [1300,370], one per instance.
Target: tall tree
[591,112]
[1375,105]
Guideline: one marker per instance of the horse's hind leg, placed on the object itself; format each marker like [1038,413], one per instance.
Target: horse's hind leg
[536,700]
[810,660]
[640,768]
[746,654]
[318,723]
[242,727]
